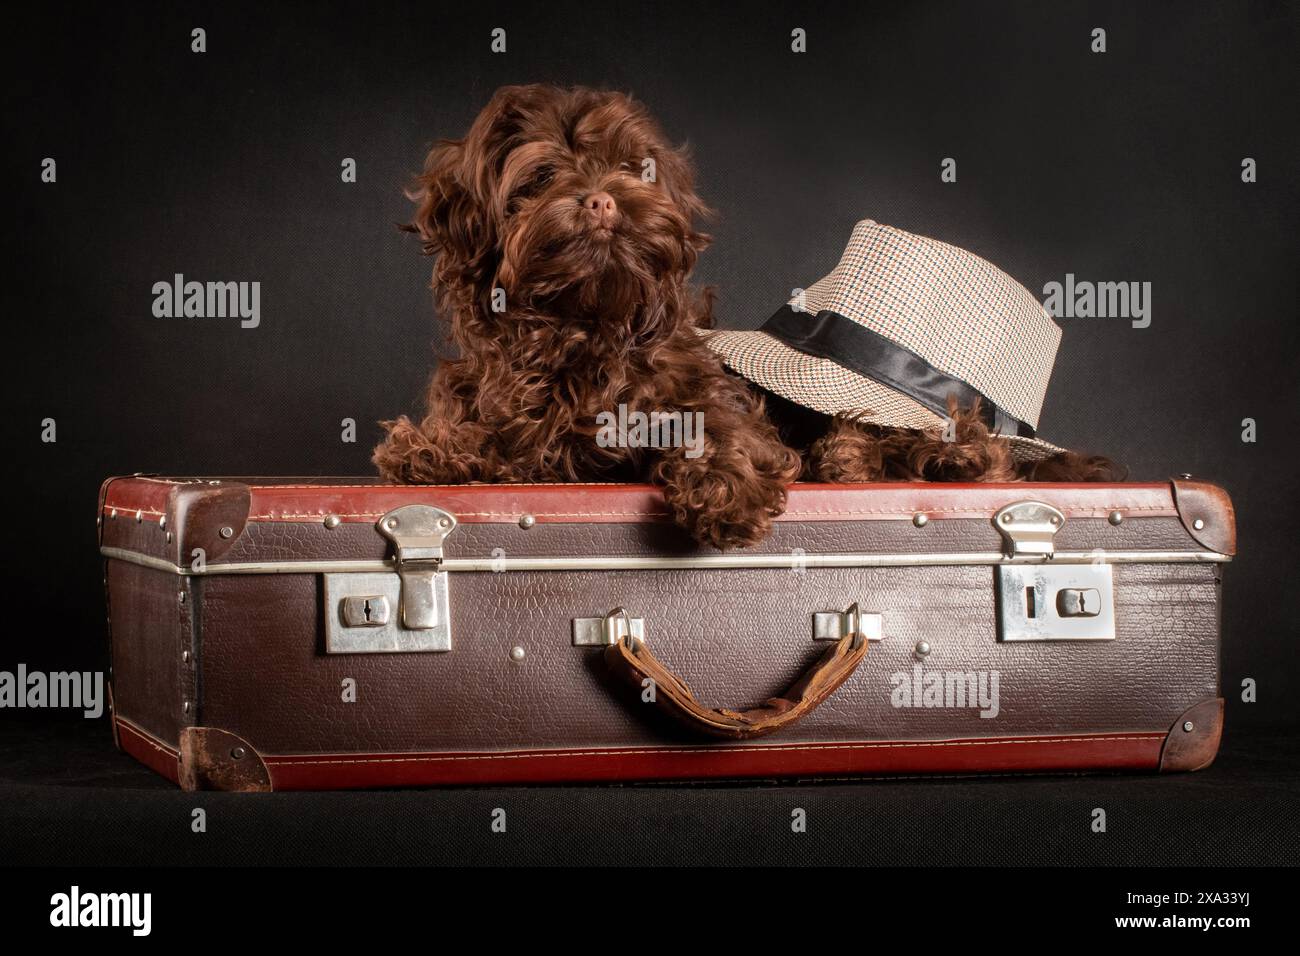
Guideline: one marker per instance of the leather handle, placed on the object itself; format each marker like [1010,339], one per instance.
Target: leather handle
[632,662]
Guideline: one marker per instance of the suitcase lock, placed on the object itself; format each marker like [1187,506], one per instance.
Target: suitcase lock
[382,612]
[1042,601]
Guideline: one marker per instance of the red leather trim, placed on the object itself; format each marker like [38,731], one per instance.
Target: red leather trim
[1060,753]
[593,503]
[149,750]
[129,495]
[473,504]
[1136,751]
[822,502]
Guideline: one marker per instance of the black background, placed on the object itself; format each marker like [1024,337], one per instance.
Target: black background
[226,166]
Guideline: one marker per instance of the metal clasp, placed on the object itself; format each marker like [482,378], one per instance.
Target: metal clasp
[417,533]
[1029,527]
[407,612]
[1044,601]
[1055,602]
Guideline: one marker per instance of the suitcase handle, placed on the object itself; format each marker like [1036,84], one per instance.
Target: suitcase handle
[631,661]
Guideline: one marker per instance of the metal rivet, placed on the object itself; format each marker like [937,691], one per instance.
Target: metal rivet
[390,524]
[139,516]
[1006,518]
[332,521]
[185,657]
[920,520]
[1198,524]
[227,532]
[922,649]
[516,653]
[238,753]
[1054,519]
[1115,517]
[1188,726]
[527,521]
[444,523]
[162,522]
[169,537]
[1185,475]
[181,597]
[113,513]
[185,707]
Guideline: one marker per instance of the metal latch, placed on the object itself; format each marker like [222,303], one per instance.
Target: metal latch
[1055,602]
[1046,601]
[417,533]
[385,612]
[1028,527]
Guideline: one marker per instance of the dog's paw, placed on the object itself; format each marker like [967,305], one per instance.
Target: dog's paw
[431,454]
[720,508]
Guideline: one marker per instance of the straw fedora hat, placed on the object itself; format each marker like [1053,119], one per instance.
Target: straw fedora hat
[901,323]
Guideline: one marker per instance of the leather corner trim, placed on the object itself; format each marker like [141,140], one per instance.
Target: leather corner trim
[201,512]
[1194,749]
[215,759]
[1210,505]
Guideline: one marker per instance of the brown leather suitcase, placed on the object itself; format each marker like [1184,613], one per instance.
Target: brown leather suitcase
[318,633]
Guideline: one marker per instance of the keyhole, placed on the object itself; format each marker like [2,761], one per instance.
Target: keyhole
[366,610]
[1029,602]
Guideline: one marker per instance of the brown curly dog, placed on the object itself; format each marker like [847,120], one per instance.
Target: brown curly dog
[564,226]
[564,231]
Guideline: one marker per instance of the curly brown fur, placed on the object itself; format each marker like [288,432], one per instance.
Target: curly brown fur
[1072,466]
[544,199]
[841,450]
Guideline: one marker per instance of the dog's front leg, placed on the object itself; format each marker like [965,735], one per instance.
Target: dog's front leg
[727,490]
[440,452]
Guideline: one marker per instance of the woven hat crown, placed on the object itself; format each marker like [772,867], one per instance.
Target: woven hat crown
[958,312]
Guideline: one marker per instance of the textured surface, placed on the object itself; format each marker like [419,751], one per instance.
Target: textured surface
[146,630]
[736,637]
[70,799]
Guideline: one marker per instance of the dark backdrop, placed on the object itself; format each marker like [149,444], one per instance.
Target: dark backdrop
[226,166]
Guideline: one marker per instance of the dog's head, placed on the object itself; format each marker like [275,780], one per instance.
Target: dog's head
[571,201]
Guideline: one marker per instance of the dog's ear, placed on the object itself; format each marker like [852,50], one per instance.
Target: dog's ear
[677,173]
[451,220]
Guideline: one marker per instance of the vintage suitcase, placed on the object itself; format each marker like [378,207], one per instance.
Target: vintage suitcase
[274,634]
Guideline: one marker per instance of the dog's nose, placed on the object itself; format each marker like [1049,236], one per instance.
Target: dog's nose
[601,205]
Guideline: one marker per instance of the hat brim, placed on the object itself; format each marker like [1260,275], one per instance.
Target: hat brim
[828,387]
